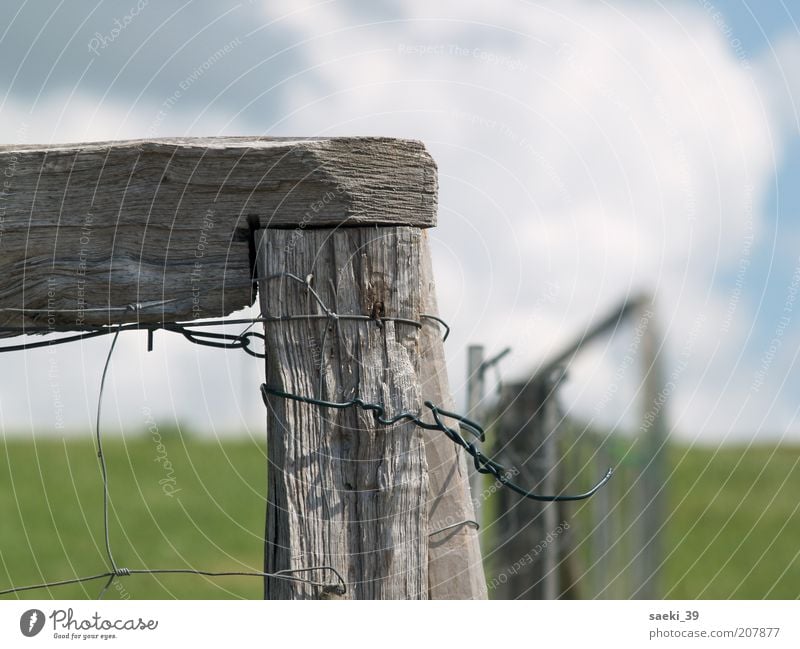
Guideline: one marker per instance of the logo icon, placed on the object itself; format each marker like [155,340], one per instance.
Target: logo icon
[31,622]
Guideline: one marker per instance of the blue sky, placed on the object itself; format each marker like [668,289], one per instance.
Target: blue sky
[587,150]
[759,26]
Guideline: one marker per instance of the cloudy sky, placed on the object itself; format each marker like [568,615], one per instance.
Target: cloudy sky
[587,151]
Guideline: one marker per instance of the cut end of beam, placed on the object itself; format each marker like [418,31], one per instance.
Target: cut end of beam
[167,224]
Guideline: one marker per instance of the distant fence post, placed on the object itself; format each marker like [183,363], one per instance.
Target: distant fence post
[526,537]
[622,550]
[475,394]
[551,555]
[653,476]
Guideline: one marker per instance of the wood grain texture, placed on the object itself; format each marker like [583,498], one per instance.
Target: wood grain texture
[343,490]
[87,229]
[455,566]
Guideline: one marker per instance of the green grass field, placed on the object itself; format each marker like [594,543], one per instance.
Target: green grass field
[734,529]
[51,503]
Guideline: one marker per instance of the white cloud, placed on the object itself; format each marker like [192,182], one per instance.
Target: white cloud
[605,148]
[601,149]
[779,70]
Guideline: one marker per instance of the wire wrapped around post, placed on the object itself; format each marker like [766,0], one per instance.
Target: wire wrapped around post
[483,463]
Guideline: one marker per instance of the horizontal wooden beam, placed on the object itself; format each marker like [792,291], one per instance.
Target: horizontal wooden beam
[88,229]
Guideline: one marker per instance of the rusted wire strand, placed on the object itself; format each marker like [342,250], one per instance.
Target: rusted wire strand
[483,463]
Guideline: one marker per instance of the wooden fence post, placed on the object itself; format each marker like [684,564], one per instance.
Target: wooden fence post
[344,490]
[526,551]
[475,394]
[653,476]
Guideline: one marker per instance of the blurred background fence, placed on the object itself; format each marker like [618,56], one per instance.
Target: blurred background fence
[611,545]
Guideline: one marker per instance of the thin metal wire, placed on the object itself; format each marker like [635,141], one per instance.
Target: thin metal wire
[286,575]
[436,318]
[102,458]
[138,306]
[52,584]
[470,522]
[219,340]
[483,463]
[115,570]
[188,329]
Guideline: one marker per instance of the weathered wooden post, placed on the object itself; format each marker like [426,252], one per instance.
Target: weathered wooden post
[345,490]
[330,230]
